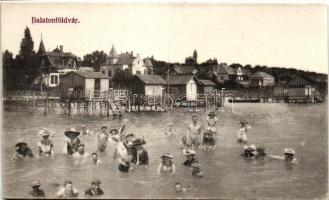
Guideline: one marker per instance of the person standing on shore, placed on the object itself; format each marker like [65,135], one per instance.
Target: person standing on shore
[194,132]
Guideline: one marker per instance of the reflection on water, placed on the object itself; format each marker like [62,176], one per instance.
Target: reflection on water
[226,175]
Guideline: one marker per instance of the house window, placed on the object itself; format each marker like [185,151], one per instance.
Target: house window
[138,72]
[149,71]
[144,71]
[118,70]
[103,72]
[110,73]
[52,79]
[56,79]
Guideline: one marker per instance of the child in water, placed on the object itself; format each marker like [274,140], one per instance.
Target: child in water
[242,132]
[102,139]
[95,159]
[183,143]
[166,165]
[180,189]
[45,145]
[170,132]
[208,141]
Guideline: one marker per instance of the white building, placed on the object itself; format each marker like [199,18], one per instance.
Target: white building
[123,62]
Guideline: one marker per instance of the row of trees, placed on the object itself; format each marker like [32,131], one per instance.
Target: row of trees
[21,71]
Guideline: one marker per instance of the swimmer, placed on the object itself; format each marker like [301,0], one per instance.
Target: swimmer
[242,132]
[289,156]
[72,141]
[196,169]
[142,155]
[45,145]
[121,154]
[132,154]
[94,190]
[208,141]
[68,191]
[36,191]
[261,154]
[190,159]
[180,189]
[170,132]
[212,122]
[102,139]
[22,151]
[194,132]
[81,156]
[85,131]
[166,165]
[249,151]
[95,159]
[183,143]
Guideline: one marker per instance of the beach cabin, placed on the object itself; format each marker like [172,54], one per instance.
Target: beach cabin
[149,85]
[183,85]
[299,89]
[85,84]
[261,79]
[206,86]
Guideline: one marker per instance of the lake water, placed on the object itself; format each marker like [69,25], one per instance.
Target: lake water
[226,175]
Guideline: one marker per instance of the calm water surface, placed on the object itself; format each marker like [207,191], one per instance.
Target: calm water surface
[226,175]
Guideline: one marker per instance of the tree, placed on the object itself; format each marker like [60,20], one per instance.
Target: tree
[27,45]
[7,73]
[94,60]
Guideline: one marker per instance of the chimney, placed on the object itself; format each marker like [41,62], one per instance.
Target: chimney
[61,48]
[132,53]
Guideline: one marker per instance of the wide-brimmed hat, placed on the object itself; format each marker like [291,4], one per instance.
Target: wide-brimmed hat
[289,151]
[104,126]
[71,131]
[18,144]
[167,155]
[139,142]
[96,182]
[129,135]
[189,152]
[212,113]
[44,132]
[116,131]
[251,147]
[35,183]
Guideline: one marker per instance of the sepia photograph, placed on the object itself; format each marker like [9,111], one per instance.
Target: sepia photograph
[164,101]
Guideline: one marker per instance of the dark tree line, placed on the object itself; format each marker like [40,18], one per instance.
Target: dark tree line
[19,73]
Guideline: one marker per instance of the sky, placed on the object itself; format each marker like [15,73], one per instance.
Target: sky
[292,36]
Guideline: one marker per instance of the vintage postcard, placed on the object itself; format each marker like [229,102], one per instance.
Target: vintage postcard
[164,101]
